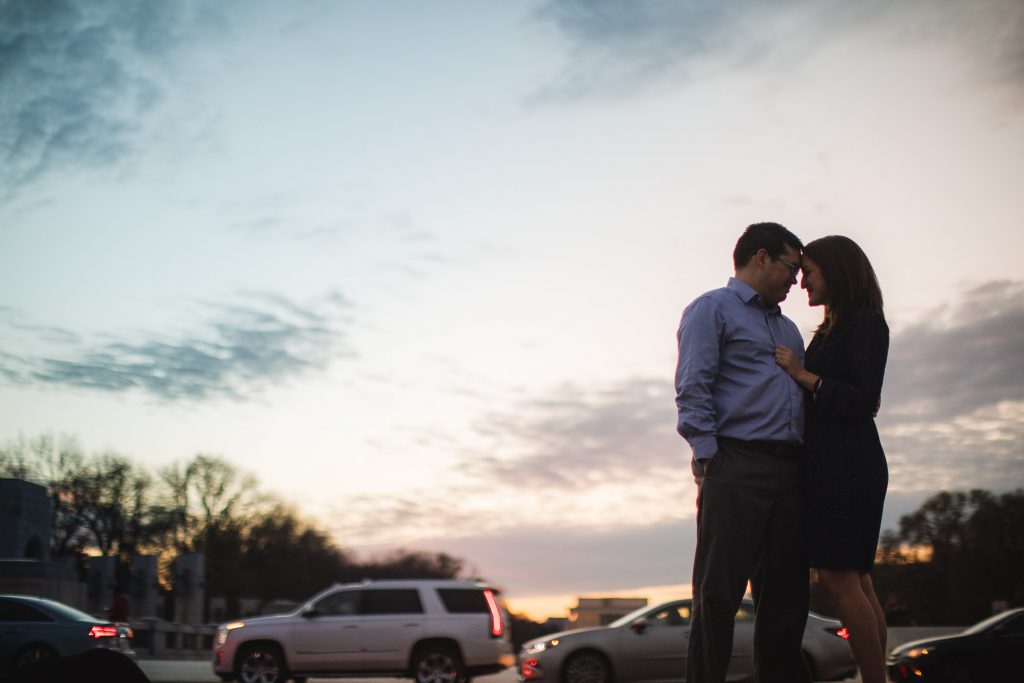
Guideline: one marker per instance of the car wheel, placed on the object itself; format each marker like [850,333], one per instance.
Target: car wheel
[437,664]
[260,663]
[587,667]
[34,654]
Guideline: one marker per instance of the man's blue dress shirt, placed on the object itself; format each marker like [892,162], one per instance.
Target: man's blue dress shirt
[727,381]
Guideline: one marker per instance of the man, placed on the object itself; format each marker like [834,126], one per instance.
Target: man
[743,416]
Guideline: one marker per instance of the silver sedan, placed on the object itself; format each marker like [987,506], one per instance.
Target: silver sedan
[649,645]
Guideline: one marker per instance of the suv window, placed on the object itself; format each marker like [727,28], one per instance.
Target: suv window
[391,601]
[339,604]
[464,600]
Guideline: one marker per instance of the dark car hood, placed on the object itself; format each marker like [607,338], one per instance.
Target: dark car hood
[927,642]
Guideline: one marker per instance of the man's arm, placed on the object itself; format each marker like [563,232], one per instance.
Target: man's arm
[700,334]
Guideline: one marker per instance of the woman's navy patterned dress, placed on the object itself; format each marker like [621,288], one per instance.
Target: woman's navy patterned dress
[846,471]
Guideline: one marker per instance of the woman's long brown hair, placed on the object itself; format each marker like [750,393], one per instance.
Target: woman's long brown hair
[851,281]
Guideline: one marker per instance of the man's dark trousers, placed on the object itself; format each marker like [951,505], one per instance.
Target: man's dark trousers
[750,527]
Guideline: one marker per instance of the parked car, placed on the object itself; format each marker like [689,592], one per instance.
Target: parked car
[434,631]
[991,650]
[34,629]
[649,644]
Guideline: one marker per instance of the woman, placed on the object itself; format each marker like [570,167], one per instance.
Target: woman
[846,471]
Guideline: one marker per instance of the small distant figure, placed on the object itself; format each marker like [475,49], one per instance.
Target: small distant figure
[118,608]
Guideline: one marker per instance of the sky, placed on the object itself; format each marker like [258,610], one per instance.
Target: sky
[418,266]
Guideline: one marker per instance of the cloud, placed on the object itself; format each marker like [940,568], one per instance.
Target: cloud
[558,558]
[953,403]
[78,77]
[583,456]
[606,458]
[240,349]
[580,437]
[961,358]
[619,47]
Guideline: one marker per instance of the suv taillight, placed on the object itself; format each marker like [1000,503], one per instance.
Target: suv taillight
[497,627]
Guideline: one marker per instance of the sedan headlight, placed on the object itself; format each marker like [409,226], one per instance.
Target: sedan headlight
[537,648]
[920,652]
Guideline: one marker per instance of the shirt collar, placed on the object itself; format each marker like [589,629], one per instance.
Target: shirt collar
[748,294]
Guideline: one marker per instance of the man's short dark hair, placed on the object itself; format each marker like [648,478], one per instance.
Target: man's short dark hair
[771,237]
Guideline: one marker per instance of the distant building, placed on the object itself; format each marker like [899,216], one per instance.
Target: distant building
[602,611]
[25,519]
[25,563]
[27,566]
[553,624]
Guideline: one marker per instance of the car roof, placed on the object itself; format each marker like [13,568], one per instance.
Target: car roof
[51,607]
[34,599]
[398,583]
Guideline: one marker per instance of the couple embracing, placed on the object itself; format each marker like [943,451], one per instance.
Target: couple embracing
[790,470]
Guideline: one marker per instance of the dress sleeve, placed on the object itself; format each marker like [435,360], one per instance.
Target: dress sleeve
[858,394]
[699,339]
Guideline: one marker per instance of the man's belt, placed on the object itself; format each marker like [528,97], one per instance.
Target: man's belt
[780,449]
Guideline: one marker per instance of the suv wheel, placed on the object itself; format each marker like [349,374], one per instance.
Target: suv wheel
[260,663]
[587,667]
[437,664]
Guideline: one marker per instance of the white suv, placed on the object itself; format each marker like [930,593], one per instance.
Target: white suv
[432,630]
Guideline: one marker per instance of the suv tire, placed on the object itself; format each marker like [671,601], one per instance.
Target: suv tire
[260,663]
[437,664]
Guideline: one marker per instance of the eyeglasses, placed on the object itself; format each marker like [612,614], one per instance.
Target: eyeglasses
[794,268]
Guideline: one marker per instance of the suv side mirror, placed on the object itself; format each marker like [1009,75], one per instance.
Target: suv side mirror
[639,625]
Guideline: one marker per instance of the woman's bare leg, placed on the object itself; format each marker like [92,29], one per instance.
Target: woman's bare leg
[869,590]
[858,616]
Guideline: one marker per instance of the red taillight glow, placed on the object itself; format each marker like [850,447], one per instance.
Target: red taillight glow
[98,631]
[842,632]
[528,668]
[497,627]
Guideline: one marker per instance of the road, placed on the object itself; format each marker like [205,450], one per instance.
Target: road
[168,671]
[177,671]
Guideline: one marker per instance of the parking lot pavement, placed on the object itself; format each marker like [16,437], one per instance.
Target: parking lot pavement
[178,671]
[165,671]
